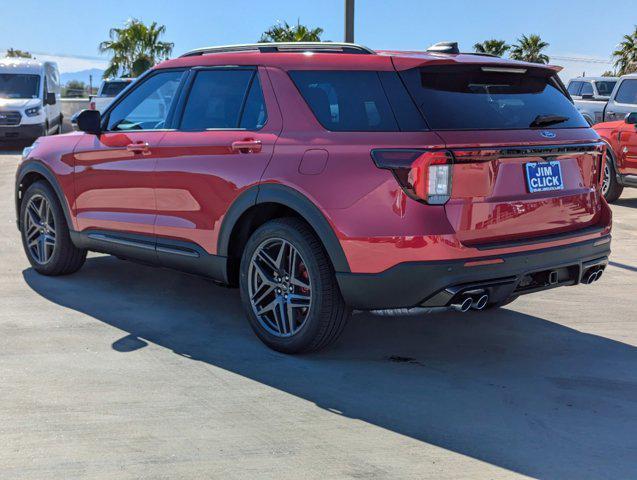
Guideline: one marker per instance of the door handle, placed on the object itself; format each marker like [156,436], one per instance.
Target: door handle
[246,146]
[139,147]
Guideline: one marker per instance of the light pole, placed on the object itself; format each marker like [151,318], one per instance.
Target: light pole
[349,21]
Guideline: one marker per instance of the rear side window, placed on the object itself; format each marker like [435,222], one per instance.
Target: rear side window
[574,88]
[224,99]
[466,97]
[352,101]
[627,92]
[587,89]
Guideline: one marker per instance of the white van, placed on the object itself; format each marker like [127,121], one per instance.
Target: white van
[29,99]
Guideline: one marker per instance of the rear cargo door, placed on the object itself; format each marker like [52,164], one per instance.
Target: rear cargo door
[525,162]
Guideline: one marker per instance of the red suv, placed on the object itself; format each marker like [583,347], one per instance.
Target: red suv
[320,178]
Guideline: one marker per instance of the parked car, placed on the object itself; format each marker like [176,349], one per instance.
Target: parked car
[29,99]
[109,89]
[590,95]
[325,177]
[621,165]
[623,100]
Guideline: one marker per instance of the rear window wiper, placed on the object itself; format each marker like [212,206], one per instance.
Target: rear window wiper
[546,120]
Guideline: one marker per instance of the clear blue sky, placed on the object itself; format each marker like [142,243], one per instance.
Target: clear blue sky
[580,28]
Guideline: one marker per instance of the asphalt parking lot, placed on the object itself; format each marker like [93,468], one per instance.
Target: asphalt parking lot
[124,371]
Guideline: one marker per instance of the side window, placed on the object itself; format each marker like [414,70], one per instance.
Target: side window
[574,88]
[587,89]
[148,104]
[346,100]
[627,92]
[224,99]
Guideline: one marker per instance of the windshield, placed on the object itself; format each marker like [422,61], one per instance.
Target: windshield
[468,97]
[605,88]
[14,85]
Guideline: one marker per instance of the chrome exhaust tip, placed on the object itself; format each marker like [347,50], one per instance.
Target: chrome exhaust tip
[462,306]
[599,274]
[591,276]
[480,303]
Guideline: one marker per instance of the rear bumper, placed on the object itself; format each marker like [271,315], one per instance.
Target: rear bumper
[433,284]
[22,132]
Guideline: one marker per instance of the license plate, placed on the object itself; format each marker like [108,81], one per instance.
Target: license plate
[544,177]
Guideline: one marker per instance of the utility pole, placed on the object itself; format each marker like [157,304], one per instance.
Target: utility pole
[349,21]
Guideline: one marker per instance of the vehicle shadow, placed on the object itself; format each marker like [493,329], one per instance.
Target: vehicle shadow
[626,202]
[510,389]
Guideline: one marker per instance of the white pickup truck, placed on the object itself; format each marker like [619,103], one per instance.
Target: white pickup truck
[109,89]
[590,95]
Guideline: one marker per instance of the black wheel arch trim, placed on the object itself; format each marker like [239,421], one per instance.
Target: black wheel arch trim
[36,166]
[291,198]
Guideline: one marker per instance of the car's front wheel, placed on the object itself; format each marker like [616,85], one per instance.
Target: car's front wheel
[45,233]
[289,290]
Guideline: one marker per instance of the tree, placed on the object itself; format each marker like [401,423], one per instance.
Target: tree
[492,47]
[626,54]
[135,48]
[609,73]
[284,32]
[529,49]
[74,88]
[13,53]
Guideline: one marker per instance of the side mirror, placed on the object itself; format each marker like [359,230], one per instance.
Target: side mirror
[50,99]
[587,96]
[89,121]
[631,118]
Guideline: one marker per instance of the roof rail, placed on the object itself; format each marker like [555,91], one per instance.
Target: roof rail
[320,47]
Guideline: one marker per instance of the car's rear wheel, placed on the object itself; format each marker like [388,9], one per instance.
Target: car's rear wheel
[289,290]
[611,189]
[45,233]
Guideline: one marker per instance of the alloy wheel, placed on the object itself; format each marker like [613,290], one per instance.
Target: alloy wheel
[279,287]
[606,179]
[39,228]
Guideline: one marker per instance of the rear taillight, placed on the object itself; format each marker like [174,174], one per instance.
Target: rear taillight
[603,158]
[424,175]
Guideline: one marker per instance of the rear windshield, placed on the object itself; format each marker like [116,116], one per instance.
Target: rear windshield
[112,89]
[470,98]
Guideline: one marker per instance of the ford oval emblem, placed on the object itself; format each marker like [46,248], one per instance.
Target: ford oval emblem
[547,134]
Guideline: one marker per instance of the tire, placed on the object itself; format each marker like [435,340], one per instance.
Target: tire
[291,329]
[503,303]
[45,233]
[611,189]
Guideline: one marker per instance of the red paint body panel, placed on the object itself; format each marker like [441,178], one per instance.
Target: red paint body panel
[184,185]
[622,138]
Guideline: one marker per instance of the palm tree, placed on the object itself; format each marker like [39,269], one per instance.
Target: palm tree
[135,48]
[13,53]
[529,49]
[284,32]
[492,47]
[626,54]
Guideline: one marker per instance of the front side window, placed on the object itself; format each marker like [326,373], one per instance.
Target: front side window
[472,97]
[346,100]
[13,85]
[605,87]
[147,106]
[627,92]
[224,99]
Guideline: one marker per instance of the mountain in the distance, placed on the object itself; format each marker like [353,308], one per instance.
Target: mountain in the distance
[82,76]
